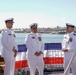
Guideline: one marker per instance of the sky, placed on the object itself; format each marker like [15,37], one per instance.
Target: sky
[47,13]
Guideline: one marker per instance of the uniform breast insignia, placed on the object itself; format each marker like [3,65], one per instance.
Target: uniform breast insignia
[65,37]
[33,37]
[70,39]
[9,34]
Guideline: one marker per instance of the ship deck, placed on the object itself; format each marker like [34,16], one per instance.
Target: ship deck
[54,49]
[55,73]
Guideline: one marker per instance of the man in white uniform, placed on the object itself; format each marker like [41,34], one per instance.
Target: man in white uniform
[10,48]
[68,47]
[35,49]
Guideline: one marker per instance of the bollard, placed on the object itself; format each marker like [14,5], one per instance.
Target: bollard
[23,72]
[36,72]
[28,72]
[19,72]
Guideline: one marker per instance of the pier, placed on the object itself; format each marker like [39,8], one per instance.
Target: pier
[56,30]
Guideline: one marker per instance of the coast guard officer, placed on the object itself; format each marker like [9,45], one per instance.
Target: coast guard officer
[10,48]
[35,49]
[68,47]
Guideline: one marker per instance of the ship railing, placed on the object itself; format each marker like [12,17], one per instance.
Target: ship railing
[53,58]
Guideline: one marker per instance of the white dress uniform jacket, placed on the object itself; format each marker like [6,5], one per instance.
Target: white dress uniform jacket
[8,42]
[69,42]
[34,45]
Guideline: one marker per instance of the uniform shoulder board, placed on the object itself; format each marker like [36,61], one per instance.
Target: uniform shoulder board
[29,34]
[74,34]
[4,30]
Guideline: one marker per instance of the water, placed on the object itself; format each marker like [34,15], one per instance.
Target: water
[47,38]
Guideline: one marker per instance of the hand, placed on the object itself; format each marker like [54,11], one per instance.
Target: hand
[15,54]
[15,51]
[36,53]
[65,50]
[39,38]
[40,52]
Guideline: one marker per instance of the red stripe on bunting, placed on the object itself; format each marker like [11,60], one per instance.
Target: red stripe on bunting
[53,60]
[47,60]
[21,64]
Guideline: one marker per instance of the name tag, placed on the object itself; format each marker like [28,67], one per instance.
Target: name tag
[33,37]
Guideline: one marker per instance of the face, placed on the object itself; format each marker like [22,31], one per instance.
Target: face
[9,25]
[34,29]
[69,29]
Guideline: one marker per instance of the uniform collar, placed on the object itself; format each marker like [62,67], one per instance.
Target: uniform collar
[8,29]
[71,33]
[33,33]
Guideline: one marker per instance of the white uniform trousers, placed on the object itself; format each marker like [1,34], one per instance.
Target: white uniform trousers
[36,62]
[9,66]
[72,66]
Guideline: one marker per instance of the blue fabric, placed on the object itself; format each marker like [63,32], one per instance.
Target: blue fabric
[52,46]
[22,48]
[47,46]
